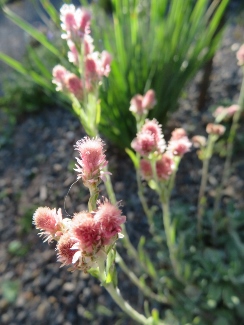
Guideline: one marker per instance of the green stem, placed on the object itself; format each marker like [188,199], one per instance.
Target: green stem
[201,196]
[170,241]
[126,307]
[144,288]
[132,252]
[142,198]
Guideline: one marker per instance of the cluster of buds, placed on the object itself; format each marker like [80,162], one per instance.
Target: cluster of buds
[215,129]
[139,105]
[150,144]
[84,240]
[92,64]
[222,113]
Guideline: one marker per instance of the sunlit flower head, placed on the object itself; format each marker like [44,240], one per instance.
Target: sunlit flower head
[109,217]
[86,231]
[49,221]
[92,159]
[75,22]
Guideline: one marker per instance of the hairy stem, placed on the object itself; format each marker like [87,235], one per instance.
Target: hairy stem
[126,307]
[144,288]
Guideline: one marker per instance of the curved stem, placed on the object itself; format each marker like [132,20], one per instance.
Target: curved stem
[125,306]
[170,241]
[229,150]
[144,288]
[142,198]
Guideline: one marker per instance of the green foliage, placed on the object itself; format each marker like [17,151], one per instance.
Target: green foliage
[10,290]
[155,44]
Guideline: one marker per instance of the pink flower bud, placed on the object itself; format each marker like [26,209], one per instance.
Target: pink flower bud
[232,110]
[136,105]
[83,18]
[74,85]
[64,249]
[106,59]
[109,217]
[178,134]
[220,111]
[240,55]
[73,55]
[199,141]
[165,167]
[155,128]
[149,100]
[216,129]
[179,147]
[59,75]
[146,169]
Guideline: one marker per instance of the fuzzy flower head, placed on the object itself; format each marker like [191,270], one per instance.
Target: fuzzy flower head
[179,143]
[240,55]
[49,221]
[92,160]
[165,166]
[109,218]
[149,139]
[86,232]
[215,129]
[75,22]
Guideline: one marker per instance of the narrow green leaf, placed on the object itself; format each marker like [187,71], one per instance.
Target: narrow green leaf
[36,34]
[133,157]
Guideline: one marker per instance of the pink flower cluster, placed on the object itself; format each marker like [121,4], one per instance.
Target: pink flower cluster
[92,161]
[95,65]
[222,113]
[141,104]
[150,144]
[85,238]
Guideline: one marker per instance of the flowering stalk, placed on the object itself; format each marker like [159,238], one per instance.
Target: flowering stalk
[229,149]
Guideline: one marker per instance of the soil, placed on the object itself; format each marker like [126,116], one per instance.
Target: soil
[36,169]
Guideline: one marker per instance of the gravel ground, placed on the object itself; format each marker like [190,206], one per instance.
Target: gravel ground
[37,169]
